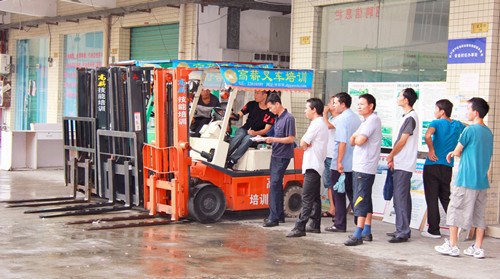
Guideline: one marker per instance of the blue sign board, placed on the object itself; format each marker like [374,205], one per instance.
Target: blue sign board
[268,78]
[202,64]
[464,51]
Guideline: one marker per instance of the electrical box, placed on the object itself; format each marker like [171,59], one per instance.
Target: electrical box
[4,64]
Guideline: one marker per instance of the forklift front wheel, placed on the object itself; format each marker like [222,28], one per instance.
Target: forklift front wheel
[207,205]
[292,200]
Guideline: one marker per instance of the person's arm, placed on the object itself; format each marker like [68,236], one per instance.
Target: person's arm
[285,140]
[260,132]
[304,145]
[325,117]
[340,156]
[396,149]
[455,153]
[428,140]
[357,139]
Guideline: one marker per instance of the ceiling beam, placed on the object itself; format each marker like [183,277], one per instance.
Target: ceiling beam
[94,3]
[30,7]
[250,5]
[93,14]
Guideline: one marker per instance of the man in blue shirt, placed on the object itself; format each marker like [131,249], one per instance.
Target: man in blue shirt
[283,145]
[441,138]
[346,124]
[468,199]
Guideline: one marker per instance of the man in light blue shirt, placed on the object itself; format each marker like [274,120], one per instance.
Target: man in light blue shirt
[346,123]
[468,199]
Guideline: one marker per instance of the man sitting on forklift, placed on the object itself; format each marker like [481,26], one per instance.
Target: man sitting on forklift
[202,115]
[259,122]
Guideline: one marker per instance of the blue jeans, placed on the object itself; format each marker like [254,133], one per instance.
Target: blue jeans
[239,145]
[278,168]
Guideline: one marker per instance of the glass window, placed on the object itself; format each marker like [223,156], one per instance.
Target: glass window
[31,82]
[386,41]
[80,50]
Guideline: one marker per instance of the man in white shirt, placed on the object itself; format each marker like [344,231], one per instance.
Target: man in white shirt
[403,160]
[366,141]
[314,144]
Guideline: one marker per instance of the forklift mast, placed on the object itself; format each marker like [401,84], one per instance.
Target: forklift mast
[166,160]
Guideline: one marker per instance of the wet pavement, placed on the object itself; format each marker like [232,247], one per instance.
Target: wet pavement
[236,247]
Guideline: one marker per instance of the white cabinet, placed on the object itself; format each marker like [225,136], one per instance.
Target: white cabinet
[32,149]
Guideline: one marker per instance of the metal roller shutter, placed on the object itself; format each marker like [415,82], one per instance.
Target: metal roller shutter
[154,42]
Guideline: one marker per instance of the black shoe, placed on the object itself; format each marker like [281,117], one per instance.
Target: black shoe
[268,224]
[333,229]
[280,220]
[313,230]
[396,239]
[230,164]
[391,234]
[368,237]
[296,233]
[353,241]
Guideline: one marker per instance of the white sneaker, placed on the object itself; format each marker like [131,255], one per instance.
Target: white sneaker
[473,251]
[446,249]
[429,235]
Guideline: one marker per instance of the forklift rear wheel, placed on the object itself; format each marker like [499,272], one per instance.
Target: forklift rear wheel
[292,201]
[207,205]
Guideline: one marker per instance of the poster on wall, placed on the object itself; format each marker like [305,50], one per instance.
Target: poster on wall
[386,94]
[82,50]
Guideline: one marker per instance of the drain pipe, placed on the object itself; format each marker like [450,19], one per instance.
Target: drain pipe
[182,31]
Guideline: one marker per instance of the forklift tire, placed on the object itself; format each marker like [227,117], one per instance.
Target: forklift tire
[207,205]
[292,201]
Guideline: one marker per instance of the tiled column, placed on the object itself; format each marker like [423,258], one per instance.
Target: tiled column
[463,13]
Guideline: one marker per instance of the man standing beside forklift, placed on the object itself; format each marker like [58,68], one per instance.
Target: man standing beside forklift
[258,123]
[282,153]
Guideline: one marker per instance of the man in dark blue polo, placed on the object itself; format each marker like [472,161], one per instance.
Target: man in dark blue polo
[283,144]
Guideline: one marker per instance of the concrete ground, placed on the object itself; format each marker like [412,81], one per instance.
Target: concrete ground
[236,247]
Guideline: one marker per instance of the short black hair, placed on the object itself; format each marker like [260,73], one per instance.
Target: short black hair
[479,105]
[344,98]
[446,105]
[370,99]
[317,104]
[273,98]
[410,95]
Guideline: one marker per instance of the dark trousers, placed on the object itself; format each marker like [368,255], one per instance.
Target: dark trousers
[402,202]
[198,123]
[277,168]
[339,199]
[311,201]
[239,145]
[437,179]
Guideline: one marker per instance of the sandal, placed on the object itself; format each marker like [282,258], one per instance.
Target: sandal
[326,214]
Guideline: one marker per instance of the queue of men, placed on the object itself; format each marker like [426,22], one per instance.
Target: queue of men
[349,169]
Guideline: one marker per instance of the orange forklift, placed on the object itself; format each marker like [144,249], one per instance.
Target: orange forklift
[185,177]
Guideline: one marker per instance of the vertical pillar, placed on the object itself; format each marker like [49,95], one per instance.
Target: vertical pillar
[233,28]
